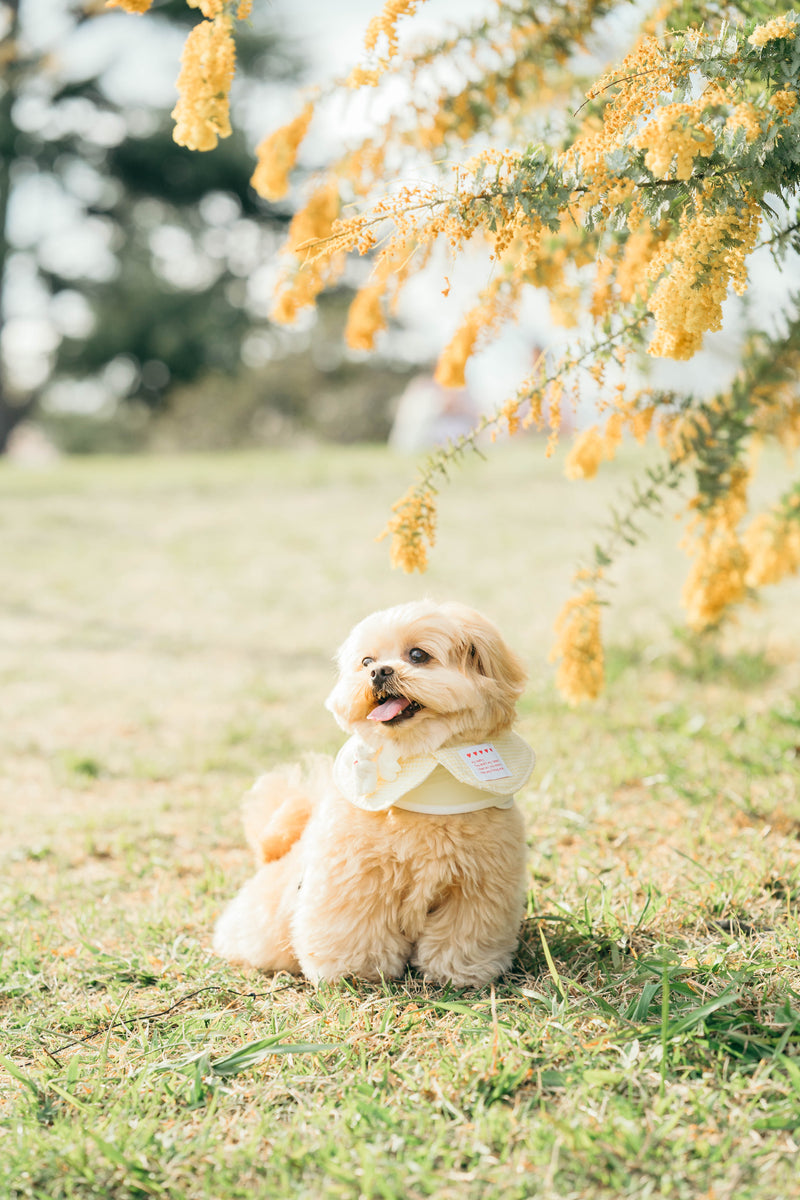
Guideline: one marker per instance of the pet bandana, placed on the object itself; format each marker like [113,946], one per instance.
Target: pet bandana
[459,779]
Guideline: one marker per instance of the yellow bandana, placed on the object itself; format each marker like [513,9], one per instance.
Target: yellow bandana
[458,779]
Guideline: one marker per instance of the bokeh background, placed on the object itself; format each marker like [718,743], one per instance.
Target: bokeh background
[137,276]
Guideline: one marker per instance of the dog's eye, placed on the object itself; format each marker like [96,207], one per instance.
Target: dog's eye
[366,661]
[418,656]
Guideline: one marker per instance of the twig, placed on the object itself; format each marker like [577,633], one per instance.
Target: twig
[163,1012]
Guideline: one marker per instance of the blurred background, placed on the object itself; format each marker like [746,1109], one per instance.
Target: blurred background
[136,277]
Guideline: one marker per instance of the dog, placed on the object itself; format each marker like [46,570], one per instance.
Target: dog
[409,848]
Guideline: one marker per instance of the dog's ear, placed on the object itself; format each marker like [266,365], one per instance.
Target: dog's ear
[339,697]
[485,651]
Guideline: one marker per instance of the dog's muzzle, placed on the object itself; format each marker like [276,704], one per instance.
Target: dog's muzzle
[391,707]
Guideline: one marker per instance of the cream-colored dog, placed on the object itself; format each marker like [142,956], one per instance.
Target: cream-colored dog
[409,847]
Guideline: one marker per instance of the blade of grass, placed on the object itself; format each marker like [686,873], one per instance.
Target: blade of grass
[551,966]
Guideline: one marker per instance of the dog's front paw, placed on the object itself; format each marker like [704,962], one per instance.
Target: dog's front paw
[451,968]
[319,969]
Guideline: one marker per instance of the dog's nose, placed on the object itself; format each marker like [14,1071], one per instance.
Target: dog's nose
[379,675]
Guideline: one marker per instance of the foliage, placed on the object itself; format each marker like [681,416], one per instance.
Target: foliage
[636,203]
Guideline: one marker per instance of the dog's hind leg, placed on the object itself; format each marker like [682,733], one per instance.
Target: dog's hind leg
[277,808]
[255,928]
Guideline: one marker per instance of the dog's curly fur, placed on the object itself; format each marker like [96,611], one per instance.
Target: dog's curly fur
[340,891]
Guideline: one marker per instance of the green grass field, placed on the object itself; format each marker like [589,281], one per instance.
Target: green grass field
[167,632]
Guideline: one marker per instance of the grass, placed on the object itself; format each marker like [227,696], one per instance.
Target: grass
[168,626]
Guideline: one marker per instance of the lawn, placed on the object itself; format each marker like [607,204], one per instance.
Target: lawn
[167,632]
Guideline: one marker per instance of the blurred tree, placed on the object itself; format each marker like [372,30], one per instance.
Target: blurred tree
[314,391]
[11,409]
[123,257]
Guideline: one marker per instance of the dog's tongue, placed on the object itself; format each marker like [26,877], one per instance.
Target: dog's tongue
[389,709]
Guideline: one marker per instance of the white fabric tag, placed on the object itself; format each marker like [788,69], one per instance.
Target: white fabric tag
[484,761]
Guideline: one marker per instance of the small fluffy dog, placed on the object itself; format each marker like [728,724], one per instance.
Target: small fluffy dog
[409,848]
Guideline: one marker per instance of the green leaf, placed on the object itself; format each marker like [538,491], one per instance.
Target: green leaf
[14,1070]
[255,1052]
[246,1056]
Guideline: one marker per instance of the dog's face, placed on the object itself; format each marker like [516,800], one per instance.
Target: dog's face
[425,675]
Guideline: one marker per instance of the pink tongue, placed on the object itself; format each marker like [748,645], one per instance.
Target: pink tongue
[389,709]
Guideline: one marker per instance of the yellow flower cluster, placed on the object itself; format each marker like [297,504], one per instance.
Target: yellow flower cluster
[544,260]
[718,576]
[365,317]
[136,6]
[363,77]
[778,27]
[631,277]
[413,523]
[696,268]
[131,6]
[386,24]
[784,102]
[636,88]
[277,154]
[314,222]
[640,421]
[312,242]
[553,398]
[580,675]
[591,448]
[675,133]
[747,117]
[496,301]
[207,65]
[641,77]
[589,155]
[772,545]
[215,8]
[586,455]
[453,359]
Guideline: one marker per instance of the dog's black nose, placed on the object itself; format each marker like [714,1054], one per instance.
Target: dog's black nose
[379,674]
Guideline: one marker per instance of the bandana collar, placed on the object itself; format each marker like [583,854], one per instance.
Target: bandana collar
[457,779]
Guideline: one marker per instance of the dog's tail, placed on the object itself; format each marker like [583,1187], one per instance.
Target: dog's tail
[278,806]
